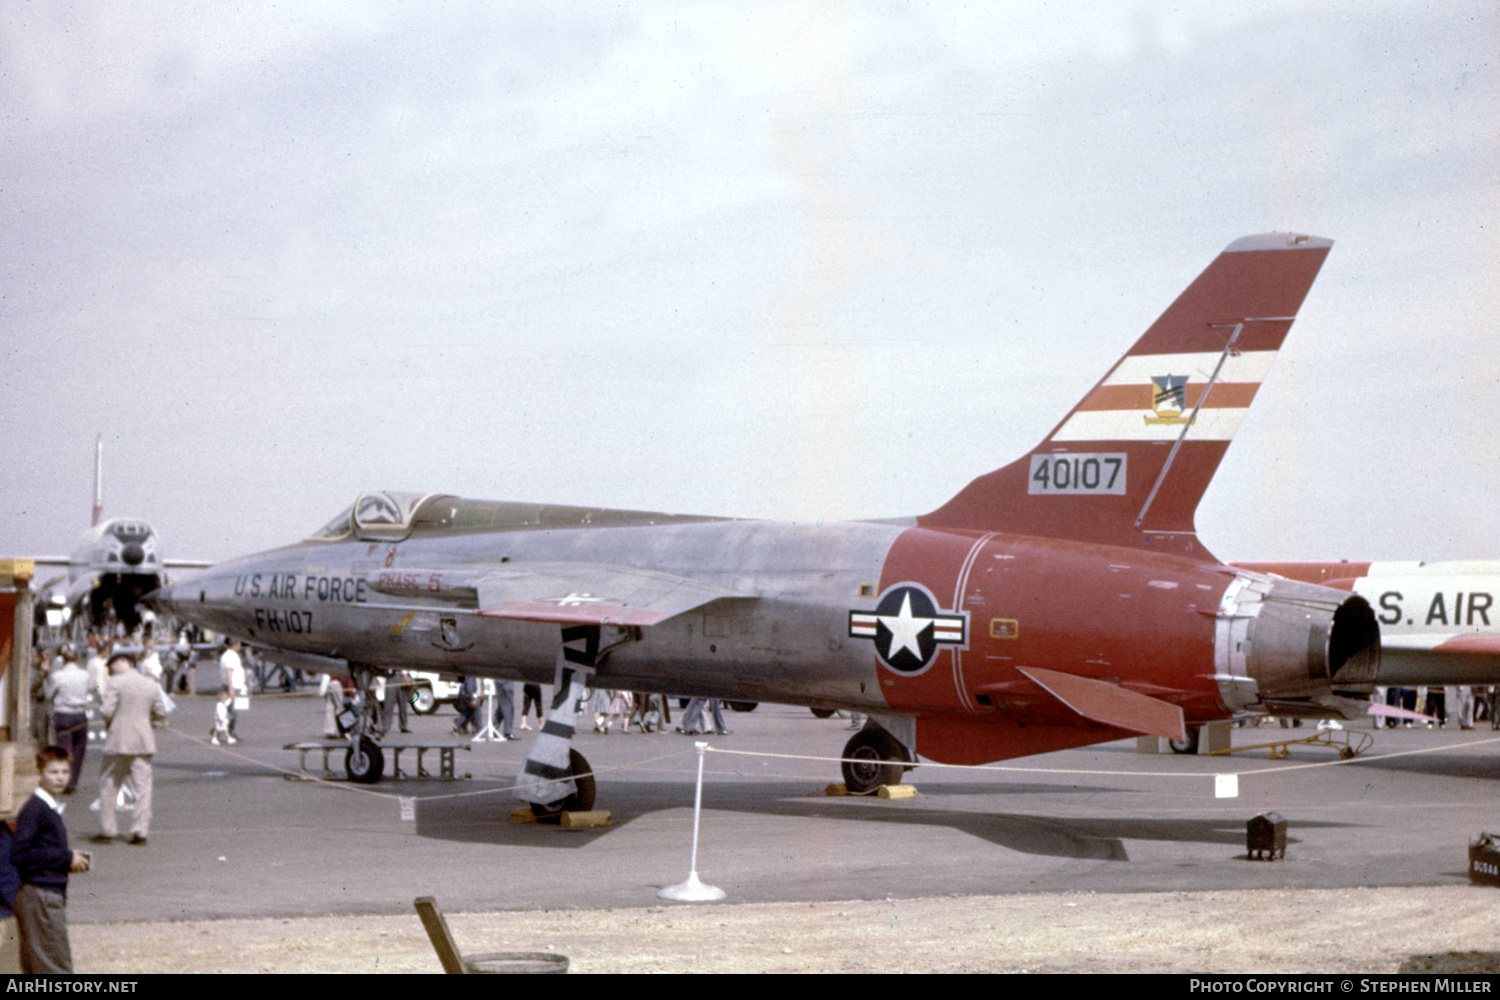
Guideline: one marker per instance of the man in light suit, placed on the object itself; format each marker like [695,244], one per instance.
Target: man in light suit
[132,702]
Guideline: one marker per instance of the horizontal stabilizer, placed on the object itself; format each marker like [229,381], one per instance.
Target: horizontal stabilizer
[576,593]
[1112,704]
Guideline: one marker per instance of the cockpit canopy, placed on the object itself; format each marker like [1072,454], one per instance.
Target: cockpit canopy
[379,515]
[392,515]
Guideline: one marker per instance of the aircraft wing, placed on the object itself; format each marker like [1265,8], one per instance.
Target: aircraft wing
[576,593]
[1471,643]
[1454,658]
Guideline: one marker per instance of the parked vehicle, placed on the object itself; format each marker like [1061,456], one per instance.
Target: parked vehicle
[431,690]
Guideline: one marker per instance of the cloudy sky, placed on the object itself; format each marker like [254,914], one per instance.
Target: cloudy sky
[790,261]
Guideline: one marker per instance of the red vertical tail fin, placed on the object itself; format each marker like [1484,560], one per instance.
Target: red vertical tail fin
[1129,464]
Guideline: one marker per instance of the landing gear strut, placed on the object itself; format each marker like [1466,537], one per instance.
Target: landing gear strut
[364,763]
[873,757]
[554,777]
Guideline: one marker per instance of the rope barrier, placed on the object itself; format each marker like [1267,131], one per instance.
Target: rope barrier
[642,765]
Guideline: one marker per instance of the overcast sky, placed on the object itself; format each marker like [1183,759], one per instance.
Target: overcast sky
[804,261]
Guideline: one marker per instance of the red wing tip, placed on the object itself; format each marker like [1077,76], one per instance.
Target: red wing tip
[1473,644]
[1277,241]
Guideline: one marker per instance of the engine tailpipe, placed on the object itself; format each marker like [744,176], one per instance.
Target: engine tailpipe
[1293,644]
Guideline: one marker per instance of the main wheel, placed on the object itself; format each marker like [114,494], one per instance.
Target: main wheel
[874,758]
[423,701]
[743,706]
[365,763]
[582,800]
[1189,745]
[822,713]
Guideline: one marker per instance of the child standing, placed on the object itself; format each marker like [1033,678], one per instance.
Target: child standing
[221,720]
[43,860]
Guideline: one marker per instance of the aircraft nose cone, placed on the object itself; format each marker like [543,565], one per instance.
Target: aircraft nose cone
[133,554]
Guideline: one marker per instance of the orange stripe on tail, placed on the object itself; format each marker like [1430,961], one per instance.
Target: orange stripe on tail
[1128,465]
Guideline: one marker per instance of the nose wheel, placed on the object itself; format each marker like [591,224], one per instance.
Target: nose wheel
[364,762]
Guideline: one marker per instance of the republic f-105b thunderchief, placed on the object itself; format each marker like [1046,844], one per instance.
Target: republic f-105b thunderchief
[1060,601]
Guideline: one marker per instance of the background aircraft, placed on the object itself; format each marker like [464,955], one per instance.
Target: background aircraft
[1062,600]
[1439,623]
[114,564]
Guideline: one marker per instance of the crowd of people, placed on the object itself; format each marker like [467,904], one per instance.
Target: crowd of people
[1455,706]
[121,680]
[611,710]
[65,691]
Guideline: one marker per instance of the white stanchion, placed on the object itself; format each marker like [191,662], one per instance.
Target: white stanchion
[692,890]
[487,732]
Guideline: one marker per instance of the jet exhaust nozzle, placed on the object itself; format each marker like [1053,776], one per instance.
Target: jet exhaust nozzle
[1289,642]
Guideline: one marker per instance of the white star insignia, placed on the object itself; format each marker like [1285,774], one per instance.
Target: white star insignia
[574,599]
[905,630]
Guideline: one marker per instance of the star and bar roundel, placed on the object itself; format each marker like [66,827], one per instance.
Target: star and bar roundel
[908,628]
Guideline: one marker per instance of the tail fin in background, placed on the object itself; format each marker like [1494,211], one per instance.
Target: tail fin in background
[98,514]
[1129,464]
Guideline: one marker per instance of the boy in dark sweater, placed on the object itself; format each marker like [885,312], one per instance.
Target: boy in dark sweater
[43,859]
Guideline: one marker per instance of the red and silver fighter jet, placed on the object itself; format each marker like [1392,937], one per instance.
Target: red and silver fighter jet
[1060,601]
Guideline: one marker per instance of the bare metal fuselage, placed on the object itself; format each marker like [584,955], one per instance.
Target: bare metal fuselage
[786,640]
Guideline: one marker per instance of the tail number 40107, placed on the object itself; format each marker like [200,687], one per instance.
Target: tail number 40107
[1078,472]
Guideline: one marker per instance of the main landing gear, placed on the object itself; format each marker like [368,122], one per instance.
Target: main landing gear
[1189,745]
[582,799]
[554,777]
[873,757]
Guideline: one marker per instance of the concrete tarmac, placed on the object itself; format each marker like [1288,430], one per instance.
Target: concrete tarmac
[233,837]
